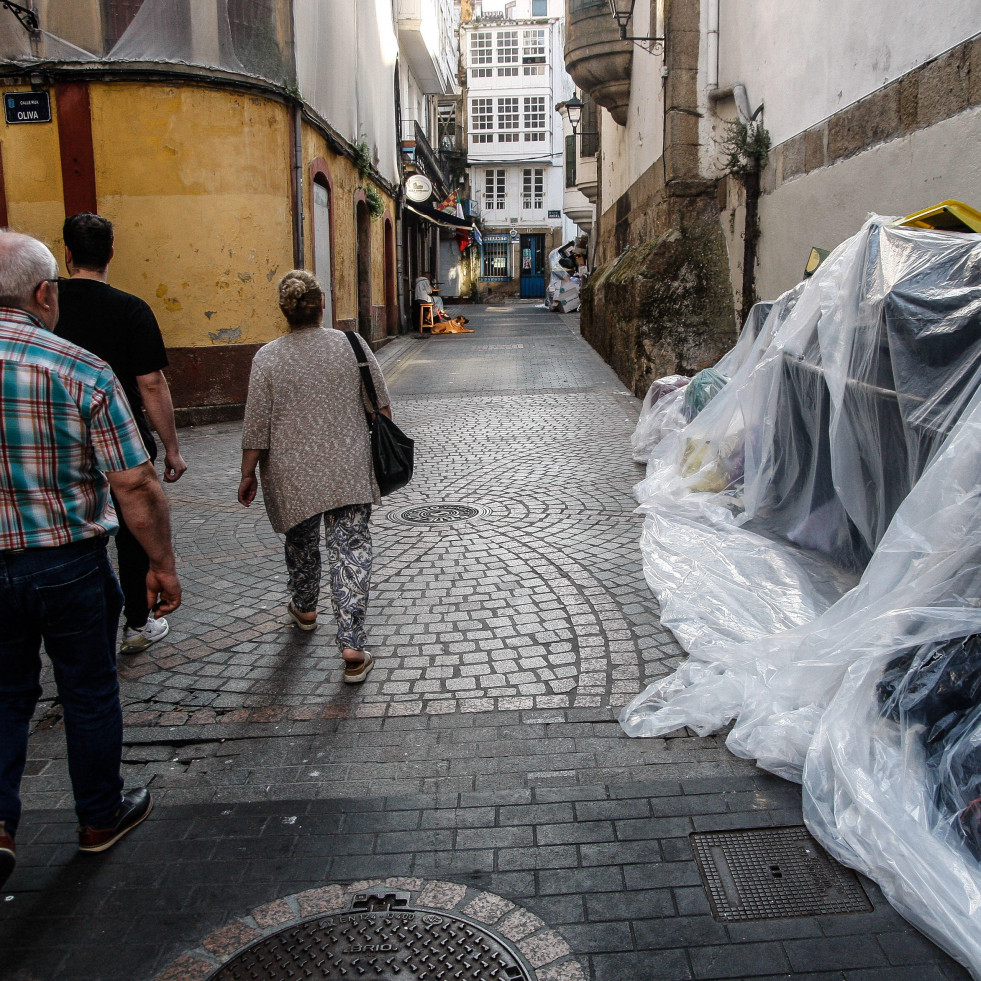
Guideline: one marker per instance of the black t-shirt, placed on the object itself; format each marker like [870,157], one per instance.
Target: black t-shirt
[119,328]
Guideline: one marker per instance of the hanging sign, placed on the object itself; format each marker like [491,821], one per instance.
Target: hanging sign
[27,107]
[418,188]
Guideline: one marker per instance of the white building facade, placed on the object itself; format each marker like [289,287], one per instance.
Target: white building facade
[515,76]
[794,121]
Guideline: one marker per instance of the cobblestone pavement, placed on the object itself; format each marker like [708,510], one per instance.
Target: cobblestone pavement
[482,751]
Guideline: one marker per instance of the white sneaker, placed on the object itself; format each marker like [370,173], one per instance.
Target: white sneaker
[135,641]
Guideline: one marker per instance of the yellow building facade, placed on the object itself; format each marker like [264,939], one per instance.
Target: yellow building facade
[217,183]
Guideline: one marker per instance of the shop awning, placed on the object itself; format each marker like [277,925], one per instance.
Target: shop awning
[438,217]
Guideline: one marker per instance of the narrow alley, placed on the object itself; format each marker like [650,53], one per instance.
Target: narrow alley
[480,768]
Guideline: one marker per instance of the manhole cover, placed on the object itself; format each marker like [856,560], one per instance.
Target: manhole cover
[436,514]
[773,873]
[380,937]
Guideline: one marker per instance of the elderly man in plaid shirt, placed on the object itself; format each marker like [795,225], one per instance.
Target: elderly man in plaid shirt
[67,436]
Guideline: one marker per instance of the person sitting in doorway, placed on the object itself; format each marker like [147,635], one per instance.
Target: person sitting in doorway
[427,292]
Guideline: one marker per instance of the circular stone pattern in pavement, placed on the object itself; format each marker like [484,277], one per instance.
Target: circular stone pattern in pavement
[400,928]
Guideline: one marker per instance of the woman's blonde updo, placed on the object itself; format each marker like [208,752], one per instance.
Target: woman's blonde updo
[301,298]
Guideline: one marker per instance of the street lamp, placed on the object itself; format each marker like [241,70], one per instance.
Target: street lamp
[622,11]
[573,109]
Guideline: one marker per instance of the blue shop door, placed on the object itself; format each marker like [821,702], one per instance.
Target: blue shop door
[532,260]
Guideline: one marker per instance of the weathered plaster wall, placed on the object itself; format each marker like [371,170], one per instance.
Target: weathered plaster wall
[894,178]
[32,177]
[807,61]
[197,184]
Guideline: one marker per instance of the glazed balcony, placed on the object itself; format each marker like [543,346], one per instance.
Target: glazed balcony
[598,61]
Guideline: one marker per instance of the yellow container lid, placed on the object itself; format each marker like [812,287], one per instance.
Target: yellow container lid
[948,216]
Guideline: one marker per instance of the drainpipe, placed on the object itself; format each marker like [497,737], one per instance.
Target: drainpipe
[296,175]
[751,181]
[735,92]
[712,45]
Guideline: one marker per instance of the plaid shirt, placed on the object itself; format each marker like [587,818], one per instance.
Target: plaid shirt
[64,423]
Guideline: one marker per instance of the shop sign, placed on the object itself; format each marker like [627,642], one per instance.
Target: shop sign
[27,107]
[418,188]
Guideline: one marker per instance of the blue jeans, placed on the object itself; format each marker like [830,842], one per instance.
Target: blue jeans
[68,597]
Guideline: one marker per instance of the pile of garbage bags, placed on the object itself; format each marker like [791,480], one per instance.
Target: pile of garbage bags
[813,537]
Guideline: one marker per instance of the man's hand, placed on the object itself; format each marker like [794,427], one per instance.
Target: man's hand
[163,592]
[144,505]
[174,467]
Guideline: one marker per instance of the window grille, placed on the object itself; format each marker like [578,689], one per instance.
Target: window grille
[495,258]
[534,118]
[507,47]
[507,113]
[481,48]
[533,189]
[494,189]
[481,114]
[533,47]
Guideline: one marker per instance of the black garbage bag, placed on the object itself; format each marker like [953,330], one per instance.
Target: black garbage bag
[933,685]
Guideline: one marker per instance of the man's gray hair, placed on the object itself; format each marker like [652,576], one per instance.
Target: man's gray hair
[24,262]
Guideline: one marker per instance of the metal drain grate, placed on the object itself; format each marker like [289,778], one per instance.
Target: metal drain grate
[436,514]
[773,873]
[380,937]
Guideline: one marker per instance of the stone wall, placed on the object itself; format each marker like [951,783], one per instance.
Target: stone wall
[660,301]
[664,306]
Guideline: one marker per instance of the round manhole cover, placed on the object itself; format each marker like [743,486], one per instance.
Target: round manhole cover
[437,514]
[380,938]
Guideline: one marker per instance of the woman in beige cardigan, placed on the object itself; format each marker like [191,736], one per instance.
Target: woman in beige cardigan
[305,428]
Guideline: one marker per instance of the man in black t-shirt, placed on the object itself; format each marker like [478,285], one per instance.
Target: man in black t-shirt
[121,329]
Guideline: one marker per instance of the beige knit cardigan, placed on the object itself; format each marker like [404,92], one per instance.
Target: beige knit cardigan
[305,412]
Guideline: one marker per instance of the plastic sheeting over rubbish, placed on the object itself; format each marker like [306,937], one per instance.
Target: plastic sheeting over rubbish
[814,539]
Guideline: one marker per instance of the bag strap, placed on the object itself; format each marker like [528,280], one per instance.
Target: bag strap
[359,353]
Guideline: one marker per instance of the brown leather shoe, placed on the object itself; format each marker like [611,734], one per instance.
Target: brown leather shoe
[135,806]
[8,854]
[356,671]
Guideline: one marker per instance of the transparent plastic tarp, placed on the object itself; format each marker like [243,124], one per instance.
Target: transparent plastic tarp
[666,409]
[814,539]
[250,37]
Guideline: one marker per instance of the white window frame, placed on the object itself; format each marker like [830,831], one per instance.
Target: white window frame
[495,189]
[534,118]
[533,188]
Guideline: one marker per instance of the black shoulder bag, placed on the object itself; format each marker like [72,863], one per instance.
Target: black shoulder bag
[391,449]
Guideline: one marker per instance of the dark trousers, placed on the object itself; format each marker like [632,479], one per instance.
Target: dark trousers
[133,563]
[69,598]
[133,567]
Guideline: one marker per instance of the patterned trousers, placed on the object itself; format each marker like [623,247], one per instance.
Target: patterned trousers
[348,546]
